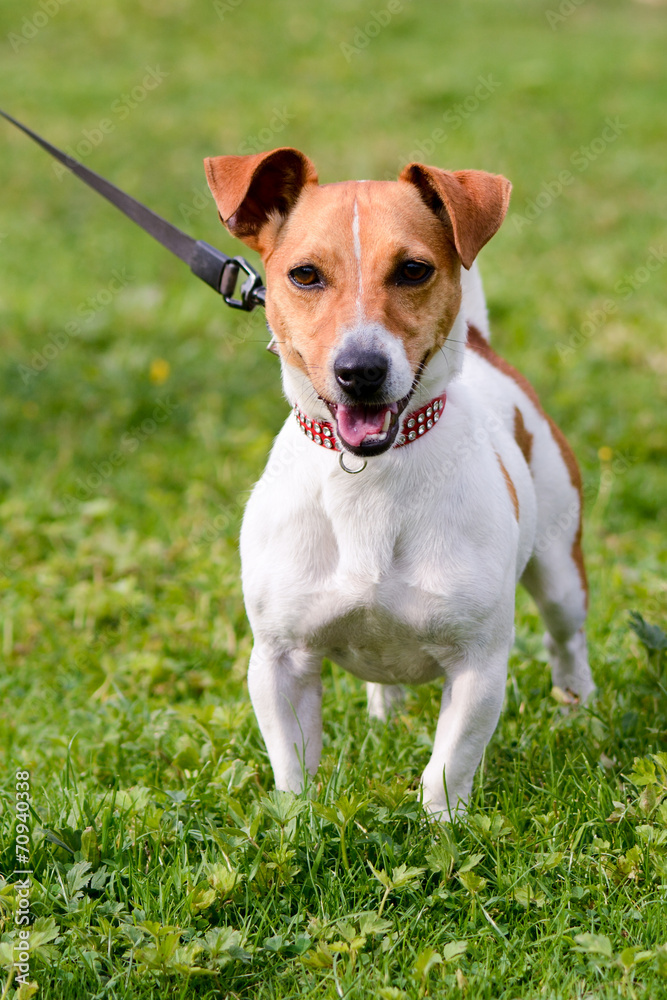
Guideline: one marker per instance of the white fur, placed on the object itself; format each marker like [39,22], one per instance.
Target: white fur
[407,572]
[473,301]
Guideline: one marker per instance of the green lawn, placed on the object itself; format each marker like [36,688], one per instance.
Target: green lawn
[137,412]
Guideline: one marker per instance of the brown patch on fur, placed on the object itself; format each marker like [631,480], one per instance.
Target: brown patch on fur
[522,435]
[511,489]
[480,346]
[578,557]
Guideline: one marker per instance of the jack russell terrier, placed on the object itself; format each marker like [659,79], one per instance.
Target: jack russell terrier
[418,478]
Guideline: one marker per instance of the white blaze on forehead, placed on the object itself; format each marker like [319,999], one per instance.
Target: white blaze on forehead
[357,253]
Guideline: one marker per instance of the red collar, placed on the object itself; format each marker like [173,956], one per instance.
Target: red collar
[414,425]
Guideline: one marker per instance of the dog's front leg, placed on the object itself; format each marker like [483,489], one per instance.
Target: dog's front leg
[286,692]
[469,712]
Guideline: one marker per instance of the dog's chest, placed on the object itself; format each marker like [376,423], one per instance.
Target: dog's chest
[377,581]
[386,615]
[378,644]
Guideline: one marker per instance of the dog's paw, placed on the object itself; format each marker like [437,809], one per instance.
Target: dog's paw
[572,680]
[439,809]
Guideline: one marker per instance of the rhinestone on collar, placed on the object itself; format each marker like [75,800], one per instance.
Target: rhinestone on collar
[414,426]
[419,422]
[318,431]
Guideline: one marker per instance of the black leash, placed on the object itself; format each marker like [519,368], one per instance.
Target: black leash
[211,265]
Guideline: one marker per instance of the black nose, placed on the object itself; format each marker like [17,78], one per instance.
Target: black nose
[361,373]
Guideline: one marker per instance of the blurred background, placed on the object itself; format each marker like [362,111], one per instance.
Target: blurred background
[137,411]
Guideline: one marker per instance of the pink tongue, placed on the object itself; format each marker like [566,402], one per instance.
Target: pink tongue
[355,423]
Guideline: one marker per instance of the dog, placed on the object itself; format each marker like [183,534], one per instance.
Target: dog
[417,479]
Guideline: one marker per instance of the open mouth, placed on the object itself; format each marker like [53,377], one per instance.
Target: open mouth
[368,429]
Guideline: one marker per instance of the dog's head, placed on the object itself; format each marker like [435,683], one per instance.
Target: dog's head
[363,277]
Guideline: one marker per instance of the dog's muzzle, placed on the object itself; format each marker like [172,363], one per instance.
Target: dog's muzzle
[366,423]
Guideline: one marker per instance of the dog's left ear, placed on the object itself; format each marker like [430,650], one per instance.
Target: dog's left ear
[249,189]
[472,201]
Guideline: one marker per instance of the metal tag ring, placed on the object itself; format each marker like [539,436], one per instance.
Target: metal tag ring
[351,472]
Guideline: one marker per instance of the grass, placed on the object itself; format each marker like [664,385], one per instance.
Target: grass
[137,414]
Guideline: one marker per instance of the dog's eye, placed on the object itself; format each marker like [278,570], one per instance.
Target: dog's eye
[414,272]
[305,275]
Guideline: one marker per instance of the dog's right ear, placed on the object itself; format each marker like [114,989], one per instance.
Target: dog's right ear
[249,189]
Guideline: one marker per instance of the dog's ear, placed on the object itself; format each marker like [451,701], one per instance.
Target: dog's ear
[249,189]
[473,202]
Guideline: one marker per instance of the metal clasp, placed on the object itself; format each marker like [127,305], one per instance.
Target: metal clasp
[252,290]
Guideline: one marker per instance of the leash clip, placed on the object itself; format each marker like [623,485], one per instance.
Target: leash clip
[252,291]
